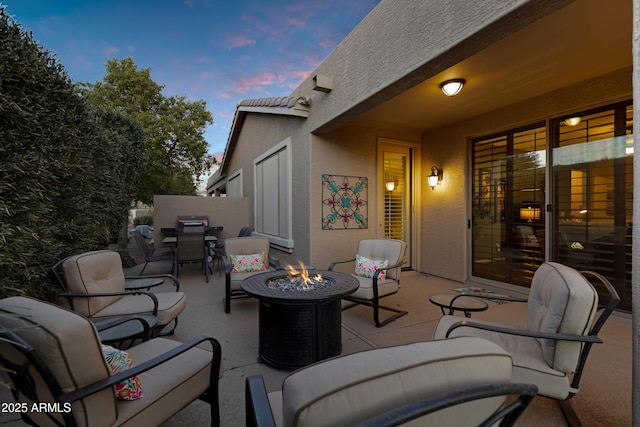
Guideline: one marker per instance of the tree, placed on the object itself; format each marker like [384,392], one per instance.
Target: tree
[175,149]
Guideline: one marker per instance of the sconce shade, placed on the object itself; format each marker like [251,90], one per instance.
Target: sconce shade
[435,177]
[390,185]
[452,87]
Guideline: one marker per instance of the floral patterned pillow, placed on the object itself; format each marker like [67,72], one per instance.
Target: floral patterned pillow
[119,361]
[365,267]
[247,263]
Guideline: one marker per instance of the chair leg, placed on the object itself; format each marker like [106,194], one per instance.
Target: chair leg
[376,309]
[145,266]
[570,414]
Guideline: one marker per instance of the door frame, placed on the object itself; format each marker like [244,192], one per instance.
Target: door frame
[415,180]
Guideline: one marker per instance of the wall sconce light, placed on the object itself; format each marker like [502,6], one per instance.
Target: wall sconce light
[452,87]
[572,121]
[390,185]
[435,177]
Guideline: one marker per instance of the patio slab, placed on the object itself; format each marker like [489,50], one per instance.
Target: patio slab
[605,398]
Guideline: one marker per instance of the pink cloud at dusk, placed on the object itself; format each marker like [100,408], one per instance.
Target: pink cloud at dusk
[239,41]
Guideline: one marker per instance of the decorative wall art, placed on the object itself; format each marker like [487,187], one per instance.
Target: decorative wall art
[344,202]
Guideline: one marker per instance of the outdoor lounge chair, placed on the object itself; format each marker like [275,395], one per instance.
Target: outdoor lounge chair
[94,286]
[50,355]
[159,253]
[461,382]
[237,248]
[378,268]
[553,350]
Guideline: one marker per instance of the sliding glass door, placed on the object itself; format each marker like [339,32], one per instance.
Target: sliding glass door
[508,213]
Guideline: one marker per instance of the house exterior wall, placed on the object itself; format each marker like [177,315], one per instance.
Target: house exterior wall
[260,132]
[447,207]
[352,151]
[395,48]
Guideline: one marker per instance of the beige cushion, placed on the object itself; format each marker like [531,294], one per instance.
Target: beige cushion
[362,385]
[245,246]
[562,301]
[170,305]
[101,271]
[94,272]
[380,249]
[365,289]
[69,345]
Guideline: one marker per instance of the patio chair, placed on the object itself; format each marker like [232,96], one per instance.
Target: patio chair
[218,247]
[460,382]
[191,247]
[244,257]
[160,253]
[93,283]
[50,355]
[377,267]
[553,350]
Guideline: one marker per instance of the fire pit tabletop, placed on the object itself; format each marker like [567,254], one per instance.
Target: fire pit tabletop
[256,286]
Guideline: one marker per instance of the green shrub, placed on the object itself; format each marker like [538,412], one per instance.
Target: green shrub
[67,169]
[143,220]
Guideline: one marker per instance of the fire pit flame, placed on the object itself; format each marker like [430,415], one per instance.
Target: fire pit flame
[300,280]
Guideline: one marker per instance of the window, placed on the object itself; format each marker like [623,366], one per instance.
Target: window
[272,183]
[593,194]
[234,185]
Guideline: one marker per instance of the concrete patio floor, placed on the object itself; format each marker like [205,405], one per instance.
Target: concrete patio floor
[604,399]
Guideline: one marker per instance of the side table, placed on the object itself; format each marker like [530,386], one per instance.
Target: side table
[116,331]
[453,302]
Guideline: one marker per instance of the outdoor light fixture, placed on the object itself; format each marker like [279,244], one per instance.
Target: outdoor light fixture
[452,87]
[572,121]
[435,177]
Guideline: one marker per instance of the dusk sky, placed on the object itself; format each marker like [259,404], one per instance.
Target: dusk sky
[219,51]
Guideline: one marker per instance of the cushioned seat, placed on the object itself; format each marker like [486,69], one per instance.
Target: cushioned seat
[96,289]
[62,360]
[552,351]
[378,268]
[351,389]
[236,247]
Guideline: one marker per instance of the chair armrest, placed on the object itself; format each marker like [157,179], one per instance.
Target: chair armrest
[523,332]
[114,379]
[333,264]
[227,264]
[257,409]
[389,267]
[103,325]
[489,297]
[70,295]
[508,413]
[171,277]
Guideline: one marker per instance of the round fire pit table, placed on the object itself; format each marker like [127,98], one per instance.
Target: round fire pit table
[299,327]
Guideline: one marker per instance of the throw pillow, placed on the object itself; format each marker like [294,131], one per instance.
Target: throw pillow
[119,361]
[365,267]
[247,263]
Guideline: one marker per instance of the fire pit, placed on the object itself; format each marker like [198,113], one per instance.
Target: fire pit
[300,318]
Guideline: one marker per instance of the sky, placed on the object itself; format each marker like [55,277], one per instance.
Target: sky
[218,51]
